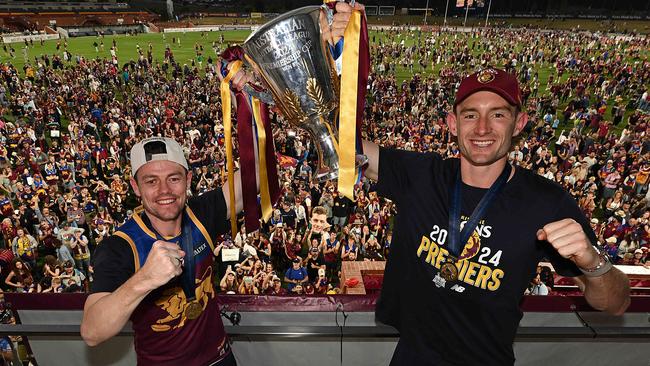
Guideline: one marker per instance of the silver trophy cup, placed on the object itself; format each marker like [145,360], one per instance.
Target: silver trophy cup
[297,68]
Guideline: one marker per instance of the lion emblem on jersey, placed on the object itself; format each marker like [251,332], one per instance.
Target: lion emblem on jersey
[174,302]
[472,247]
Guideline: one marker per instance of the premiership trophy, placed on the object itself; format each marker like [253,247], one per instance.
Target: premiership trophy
[297,68]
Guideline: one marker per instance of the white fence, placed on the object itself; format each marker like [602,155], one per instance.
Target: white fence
[31,37]
[208,28]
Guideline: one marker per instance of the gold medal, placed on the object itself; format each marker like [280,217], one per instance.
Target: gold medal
[449,271]
[193,310]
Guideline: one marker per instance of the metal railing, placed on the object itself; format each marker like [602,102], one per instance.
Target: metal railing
[250,332]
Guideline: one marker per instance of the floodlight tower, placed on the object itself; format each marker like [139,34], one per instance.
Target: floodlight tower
[426,12]
[488,13]
[444,24]
[170,9]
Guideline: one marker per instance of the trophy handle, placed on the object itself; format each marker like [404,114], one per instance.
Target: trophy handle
[263,96]
[257,91]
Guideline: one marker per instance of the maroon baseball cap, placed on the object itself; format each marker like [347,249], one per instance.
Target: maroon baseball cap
[494,80]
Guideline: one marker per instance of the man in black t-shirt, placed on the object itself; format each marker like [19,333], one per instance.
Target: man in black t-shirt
[468,313]
[156,269]
[341,209]
[313,263]
[458,305]
[288,214]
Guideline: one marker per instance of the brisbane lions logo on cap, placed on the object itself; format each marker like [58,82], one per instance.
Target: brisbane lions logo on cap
[486,76]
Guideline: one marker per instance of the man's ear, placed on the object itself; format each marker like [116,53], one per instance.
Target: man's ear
[189,178]
[520,123]
[135,187]
[451,123]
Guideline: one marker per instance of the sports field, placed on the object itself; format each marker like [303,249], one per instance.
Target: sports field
[127,46]
[184,52]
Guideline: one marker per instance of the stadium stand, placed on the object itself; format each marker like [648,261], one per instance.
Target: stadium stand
[20,16]
[38,21]
[40,6]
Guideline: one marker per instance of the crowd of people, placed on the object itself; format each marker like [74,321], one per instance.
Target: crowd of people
[69,123]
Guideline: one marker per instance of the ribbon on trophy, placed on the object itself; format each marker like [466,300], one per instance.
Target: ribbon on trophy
[269,182]
[354,79]
[226,106]
[253,127]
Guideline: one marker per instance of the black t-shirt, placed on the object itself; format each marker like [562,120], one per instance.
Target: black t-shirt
[473,320]
[118,216]
[288,217]
[341,206]
[313,272]
[315,195]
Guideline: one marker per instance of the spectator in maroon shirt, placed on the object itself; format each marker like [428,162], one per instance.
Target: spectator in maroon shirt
[293,245]
[272,285]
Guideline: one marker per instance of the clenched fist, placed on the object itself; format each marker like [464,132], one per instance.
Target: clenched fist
[238,80]
[570,241]
[164,262]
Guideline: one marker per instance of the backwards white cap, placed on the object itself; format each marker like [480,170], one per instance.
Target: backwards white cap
[156,148]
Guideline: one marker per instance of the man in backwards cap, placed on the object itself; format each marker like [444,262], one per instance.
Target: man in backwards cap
[471,234]
[156,268]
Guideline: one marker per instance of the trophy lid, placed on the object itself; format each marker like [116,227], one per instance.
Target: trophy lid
[280,18]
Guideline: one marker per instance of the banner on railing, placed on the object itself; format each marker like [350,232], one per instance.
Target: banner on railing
[570,16]
[31,37]
[210,28]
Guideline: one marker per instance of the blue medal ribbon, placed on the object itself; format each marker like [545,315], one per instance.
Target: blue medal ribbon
[186,244]
[188,275]
[456,236]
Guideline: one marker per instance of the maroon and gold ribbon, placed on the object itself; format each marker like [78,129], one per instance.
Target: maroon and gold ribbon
[226,108]
[354,77]
[246,139]
[253,127]
[364,72]
[265,195]
[269,183]
[271,157]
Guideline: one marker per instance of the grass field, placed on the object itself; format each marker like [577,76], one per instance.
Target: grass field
[184,52]
[127,46]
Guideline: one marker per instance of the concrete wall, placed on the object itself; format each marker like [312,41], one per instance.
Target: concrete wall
[70,350]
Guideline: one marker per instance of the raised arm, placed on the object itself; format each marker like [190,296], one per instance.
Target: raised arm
[239,201]
[371,150]
[609,291]
[223,284]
